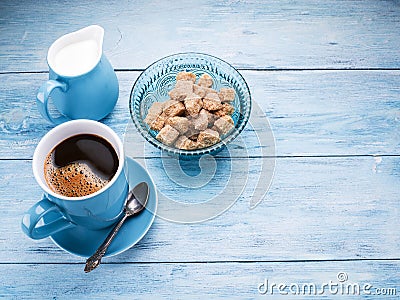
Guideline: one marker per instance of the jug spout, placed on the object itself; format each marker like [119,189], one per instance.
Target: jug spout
[93,32]
[77,52]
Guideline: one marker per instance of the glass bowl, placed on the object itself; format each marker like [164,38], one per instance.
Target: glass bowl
[159,78]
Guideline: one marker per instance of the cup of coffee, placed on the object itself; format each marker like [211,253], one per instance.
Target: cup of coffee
[82,83]
[79,165]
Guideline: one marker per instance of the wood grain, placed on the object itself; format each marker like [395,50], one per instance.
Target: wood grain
[196,281]
[248,34]
[326,76]
[346,113]
[316,209]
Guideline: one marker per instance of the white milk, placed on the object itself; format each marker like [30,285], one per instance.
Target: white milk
[77,58]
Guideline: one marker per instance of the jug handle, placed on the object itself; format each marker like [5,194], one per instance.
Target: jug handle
[42,100]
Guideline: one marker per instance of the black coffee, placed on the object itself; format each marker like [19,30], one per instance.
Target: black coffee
[80,165]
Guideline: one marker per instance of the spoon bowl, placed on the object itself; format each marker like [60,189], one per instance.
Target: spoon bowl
[137,199]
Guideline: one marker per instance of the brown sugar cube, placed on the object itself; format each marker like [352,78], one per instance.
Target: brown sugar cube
[212,102]
[156,108]
[188,76]
[179,123]
[173,108]
[212,96]
[224,124]
[208,138]
[181,90]
[185,143]
[192,132]
[149,119]
[210,117]
[155,119]
[157,123]
[201,90]
[201,121]
[226,94]
[154,111]
[179,143]
[226,109]
[205,80]
[193,104]
[167,135]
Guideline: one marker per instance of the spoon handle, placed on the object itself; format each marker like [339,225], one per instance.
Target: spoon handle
[93,261]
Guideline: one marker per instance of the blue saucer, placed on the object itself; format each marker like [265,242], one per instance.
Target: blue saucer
[84,242]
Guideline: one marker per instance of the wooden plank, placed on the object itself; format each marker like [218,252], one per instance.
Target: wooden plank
[318,113]
[316,209]
[248,34]
[368,279]
[346,113]
[22,126]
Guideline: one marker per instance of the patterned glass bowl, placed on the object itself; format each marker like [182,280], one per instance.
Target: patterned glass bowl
[158,79]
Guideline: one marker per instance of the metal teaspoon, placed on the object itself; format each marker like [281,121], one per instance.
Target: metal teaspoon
[136,201]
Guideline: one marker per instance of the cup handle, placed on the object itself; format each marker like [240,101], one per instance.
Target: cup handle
[31,220]
[42,100]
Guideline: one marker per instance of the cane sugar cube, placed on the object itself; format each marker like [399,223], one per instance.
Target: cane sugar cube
[185,143]
[157,123]
[205,80]
[212,102]
[201,90]
[226,94]
[208,138]
[179,123]
[182,89]
[201,121]
[167,135]
[154,117]
[224,124]
[210,116]
[187,76]
[193,104]
[226,109]
[192,132]
[173,108]
[156,108]
[154,111]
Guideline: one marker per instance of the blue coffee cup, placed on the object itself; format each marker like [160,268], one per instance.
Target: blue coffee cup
[82,82]
[55,212]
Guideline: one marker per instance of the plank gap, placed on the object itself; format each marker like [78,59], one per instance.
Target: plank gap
[237,68]
[212,261]
[251,157]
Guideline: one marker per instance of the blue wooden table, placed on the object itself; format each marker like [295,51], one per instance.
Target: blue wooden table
[325,76]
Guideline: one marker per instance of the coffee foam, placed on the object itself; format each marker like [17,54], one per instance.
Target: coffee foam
[73,180]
